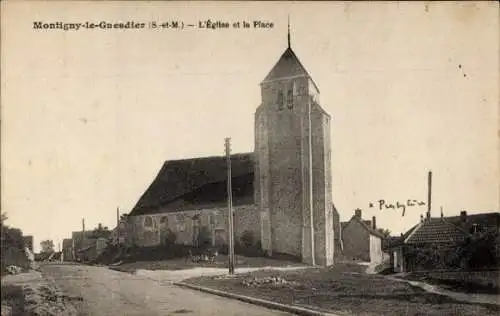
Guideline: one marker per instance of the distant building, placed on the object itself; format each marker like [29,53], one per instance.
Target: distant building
[119,235]
[28,242]
[67,250]
[92,250]
[361,240]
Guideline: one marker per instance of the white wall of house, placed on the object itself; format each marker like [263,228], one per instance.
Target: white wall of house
[376,254]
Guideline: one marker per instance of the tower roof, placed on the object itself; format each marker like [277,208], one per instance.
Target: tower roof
[288,66]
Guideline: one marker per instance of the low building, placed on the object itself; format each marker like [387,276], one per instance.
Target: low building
[439,243]
[361,240]
[87,245]
[67,249]
[119,235]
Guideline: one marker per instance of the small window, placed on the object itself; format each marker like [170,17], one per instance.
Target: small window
[280,100]
[289,99]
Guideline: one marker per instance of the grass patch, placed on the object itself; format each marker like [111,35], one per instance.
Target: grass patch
[220,262]
[457,285]
[13,297]
[345,288]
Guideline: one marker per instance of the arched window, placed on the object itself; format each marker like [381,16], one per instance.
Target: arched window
[280,100]
[289,99]
[164,221]
[148,222]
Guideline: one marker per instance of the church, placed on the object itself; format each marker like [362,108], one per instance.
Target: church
[282,192]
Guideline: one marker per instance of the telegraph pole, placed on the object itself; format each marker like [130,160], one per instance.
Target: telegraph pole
[230,206]
[117,225]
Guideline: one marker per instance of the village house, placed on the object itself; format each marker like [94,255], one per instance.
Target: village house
[361,240]
[436,243]
[86,245]
[119,233]
[272,186]
[67,249]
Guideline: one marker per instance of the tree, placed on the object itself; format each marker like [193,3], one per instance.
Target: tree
[4,218]
[384,231]
[101,231]
[47,246]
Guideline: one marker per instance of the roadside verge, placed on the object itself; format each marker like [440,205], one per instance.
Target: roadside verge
[268,304]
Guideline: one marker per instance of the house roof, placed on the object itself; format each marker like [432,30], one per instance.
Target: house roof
[288,65]
[365,224]
[67,242]
[195,179]
[435,230]
[489,220]
[446,228]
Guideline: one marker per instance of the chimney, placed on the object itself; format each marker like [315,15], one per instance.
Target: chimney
[83,224]
[429,194]
[463,216]
[374,223]
[357,213]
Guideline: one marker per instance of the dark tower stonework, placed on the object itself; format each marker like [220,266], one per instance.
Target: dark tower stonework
[289,112]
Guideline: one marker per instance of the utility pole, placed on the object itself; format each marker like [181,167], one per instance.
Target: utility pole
[117,225]
[313,252]
[230,206]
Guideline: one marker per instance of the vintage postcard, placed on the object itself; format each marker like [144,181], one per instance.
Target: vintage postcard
[250,158]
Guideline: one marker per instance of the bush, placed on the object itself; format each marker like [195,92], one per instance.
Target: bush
[12,249]
[247,239]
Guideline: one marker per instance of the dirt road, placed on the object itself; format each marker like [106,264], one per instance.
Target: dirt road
[108,292]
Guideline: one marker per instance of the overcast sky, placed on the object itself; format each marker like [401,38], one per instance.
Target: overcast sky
[89,116]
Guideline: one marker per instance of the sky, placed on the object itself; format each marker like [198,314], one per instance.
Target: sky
[89,116]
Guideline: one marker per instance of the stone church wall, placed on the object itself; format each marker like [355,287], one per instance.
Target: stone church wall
[285,172]
[153,229]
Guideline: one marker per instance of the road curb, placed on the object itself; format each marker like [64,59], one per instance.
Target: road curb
[256,301]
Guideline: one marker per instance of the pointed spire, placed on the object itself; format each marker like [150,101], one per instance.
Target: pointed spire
[289,44]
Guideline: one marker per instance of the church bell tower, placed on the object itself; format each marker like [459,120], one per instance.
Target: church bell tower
[293,164]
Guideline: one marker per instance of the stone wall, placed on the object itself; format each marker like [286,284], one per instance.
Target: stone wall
[262,177]
[323,215]
[280,136]
[282,171]
[154,229]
